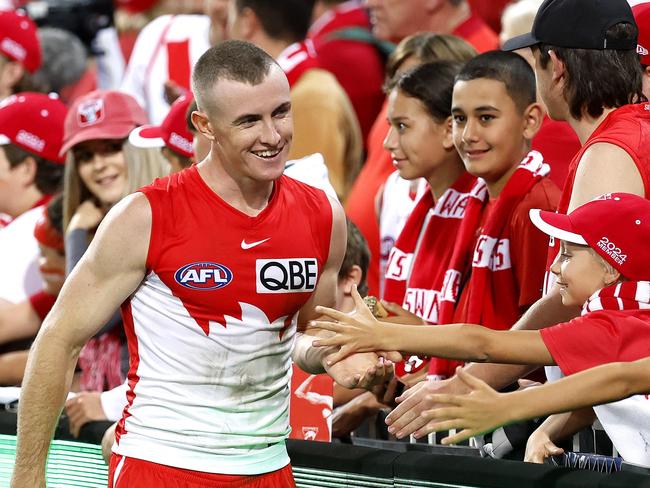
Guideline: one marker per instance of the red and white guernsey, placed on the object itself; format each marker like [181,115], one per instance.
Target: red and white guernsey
[211,327]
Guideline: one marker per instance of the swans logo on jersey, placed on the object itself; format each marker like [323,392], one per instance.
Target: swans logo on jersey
[203,276]
[295,275]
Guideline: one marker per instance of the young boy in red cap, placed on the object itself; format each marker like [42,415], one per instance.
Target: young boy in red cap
[20,52]
[31,170]
[603,263]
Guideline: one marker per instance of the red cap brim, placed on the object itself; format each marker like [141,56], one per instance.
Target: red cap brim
[556,225]
[116,131]
[147,136]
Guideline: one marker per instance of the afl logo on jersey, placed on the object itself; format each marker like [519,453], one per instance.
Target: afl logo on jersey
[203,276]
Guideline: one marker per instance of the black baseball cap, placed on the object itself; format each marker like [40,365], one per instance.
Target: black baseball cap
[578,24]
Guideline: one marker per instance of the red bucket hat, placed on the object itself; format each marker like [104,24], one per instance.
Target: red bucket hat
[101,114]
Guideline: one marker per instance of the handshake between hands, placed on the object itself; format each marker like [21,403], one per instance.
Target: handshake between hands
[462,403]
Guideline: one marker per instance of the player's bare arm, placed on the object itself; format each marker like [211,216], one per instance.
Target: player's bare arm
[362,332]
[109,272]
[362,370]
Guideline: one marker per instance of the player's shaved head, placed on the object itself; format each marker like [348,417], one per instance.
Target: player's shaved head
[232,60]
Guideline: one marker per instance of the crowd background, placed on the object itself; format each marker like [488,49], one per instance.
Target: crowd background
[96,103]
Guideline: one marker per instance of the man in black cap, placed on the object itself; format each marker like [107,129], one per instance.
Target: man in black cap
[589,75]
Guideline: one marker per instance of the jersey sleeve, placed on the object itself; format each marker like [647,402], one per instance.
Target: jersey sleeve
[598,338]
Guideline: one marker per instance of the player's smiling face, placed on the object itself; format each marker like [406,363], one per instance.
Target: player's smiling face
[253,127]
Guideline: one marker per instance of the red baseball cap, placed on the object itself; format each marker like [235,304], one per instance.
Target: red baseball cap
[173,131]
[18,39]
[101,114]
[615,225]
[46,234]
[34,122]
[641,13]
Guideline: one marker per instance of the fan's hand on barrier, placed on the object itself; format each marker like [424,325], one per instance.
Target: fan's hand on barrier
[539,447]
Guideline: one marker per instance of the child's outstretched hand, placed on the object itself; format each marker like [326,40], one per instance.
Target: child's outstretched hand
[355,332]
[479,411]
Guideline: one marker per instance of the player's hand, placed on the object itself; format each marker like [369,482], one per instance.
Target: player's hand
[87,217]
[362,370]
[353,333]
[481,410]
[407,418]
[83,408]
[540,446]
[349,416]
[399,315]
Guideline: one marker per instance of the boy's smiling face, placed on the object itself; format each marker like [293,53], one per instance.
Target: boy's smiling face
[580,273]
[491,134]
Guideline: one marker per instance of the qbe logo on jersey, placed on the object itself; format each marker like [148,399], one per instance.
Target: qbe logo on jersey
[294,275]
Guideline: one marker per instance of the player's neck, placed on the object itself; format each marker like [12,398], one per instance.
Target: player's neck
[587,124]
[247,195]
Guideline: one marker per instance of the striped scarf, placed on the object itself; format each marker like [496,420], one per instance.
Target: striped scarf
[629,295]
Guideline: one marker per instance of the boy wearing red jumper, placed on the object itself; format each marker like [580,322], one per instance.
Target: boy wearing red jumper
[497,266]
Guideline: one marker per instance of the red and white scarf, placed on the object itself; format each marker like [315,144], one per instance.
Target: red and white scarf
[493,288]
[629,295]
[296,59]
[100,363]
[418,261]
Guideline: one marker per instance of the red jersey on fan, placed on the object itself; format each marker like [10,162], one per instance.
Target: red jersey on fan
[357,64]
[558,142]
[360,205]
[478,34]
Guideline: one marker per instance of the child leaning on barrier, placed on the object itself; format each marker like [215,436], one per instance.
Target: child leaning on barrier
[604,264]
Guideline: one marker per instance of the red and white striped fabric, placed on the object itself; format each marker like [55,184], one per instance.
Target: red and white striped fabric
[629,295]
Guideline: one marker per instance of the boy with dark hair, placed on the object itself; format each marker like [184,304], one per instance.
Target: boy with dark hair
[498,259]
[324,119]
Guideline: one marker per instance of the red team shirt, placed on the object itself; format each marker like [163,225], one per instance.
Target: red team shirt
[211,327]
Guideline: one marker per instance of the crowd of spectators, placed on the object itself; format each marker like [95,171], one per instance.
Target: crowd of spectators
[437,143]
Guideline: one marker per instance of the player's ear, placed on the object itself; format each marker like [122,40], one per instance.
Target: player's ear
[202,124]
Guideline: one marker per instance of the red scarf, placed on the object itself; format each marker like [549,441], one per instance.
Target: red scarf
[493,288]
[418,261]
[99,362]
[629,295]
[296,59]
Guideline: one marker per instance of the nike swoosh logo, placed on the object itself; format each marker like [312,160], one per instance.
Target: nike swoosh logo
[247,245]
